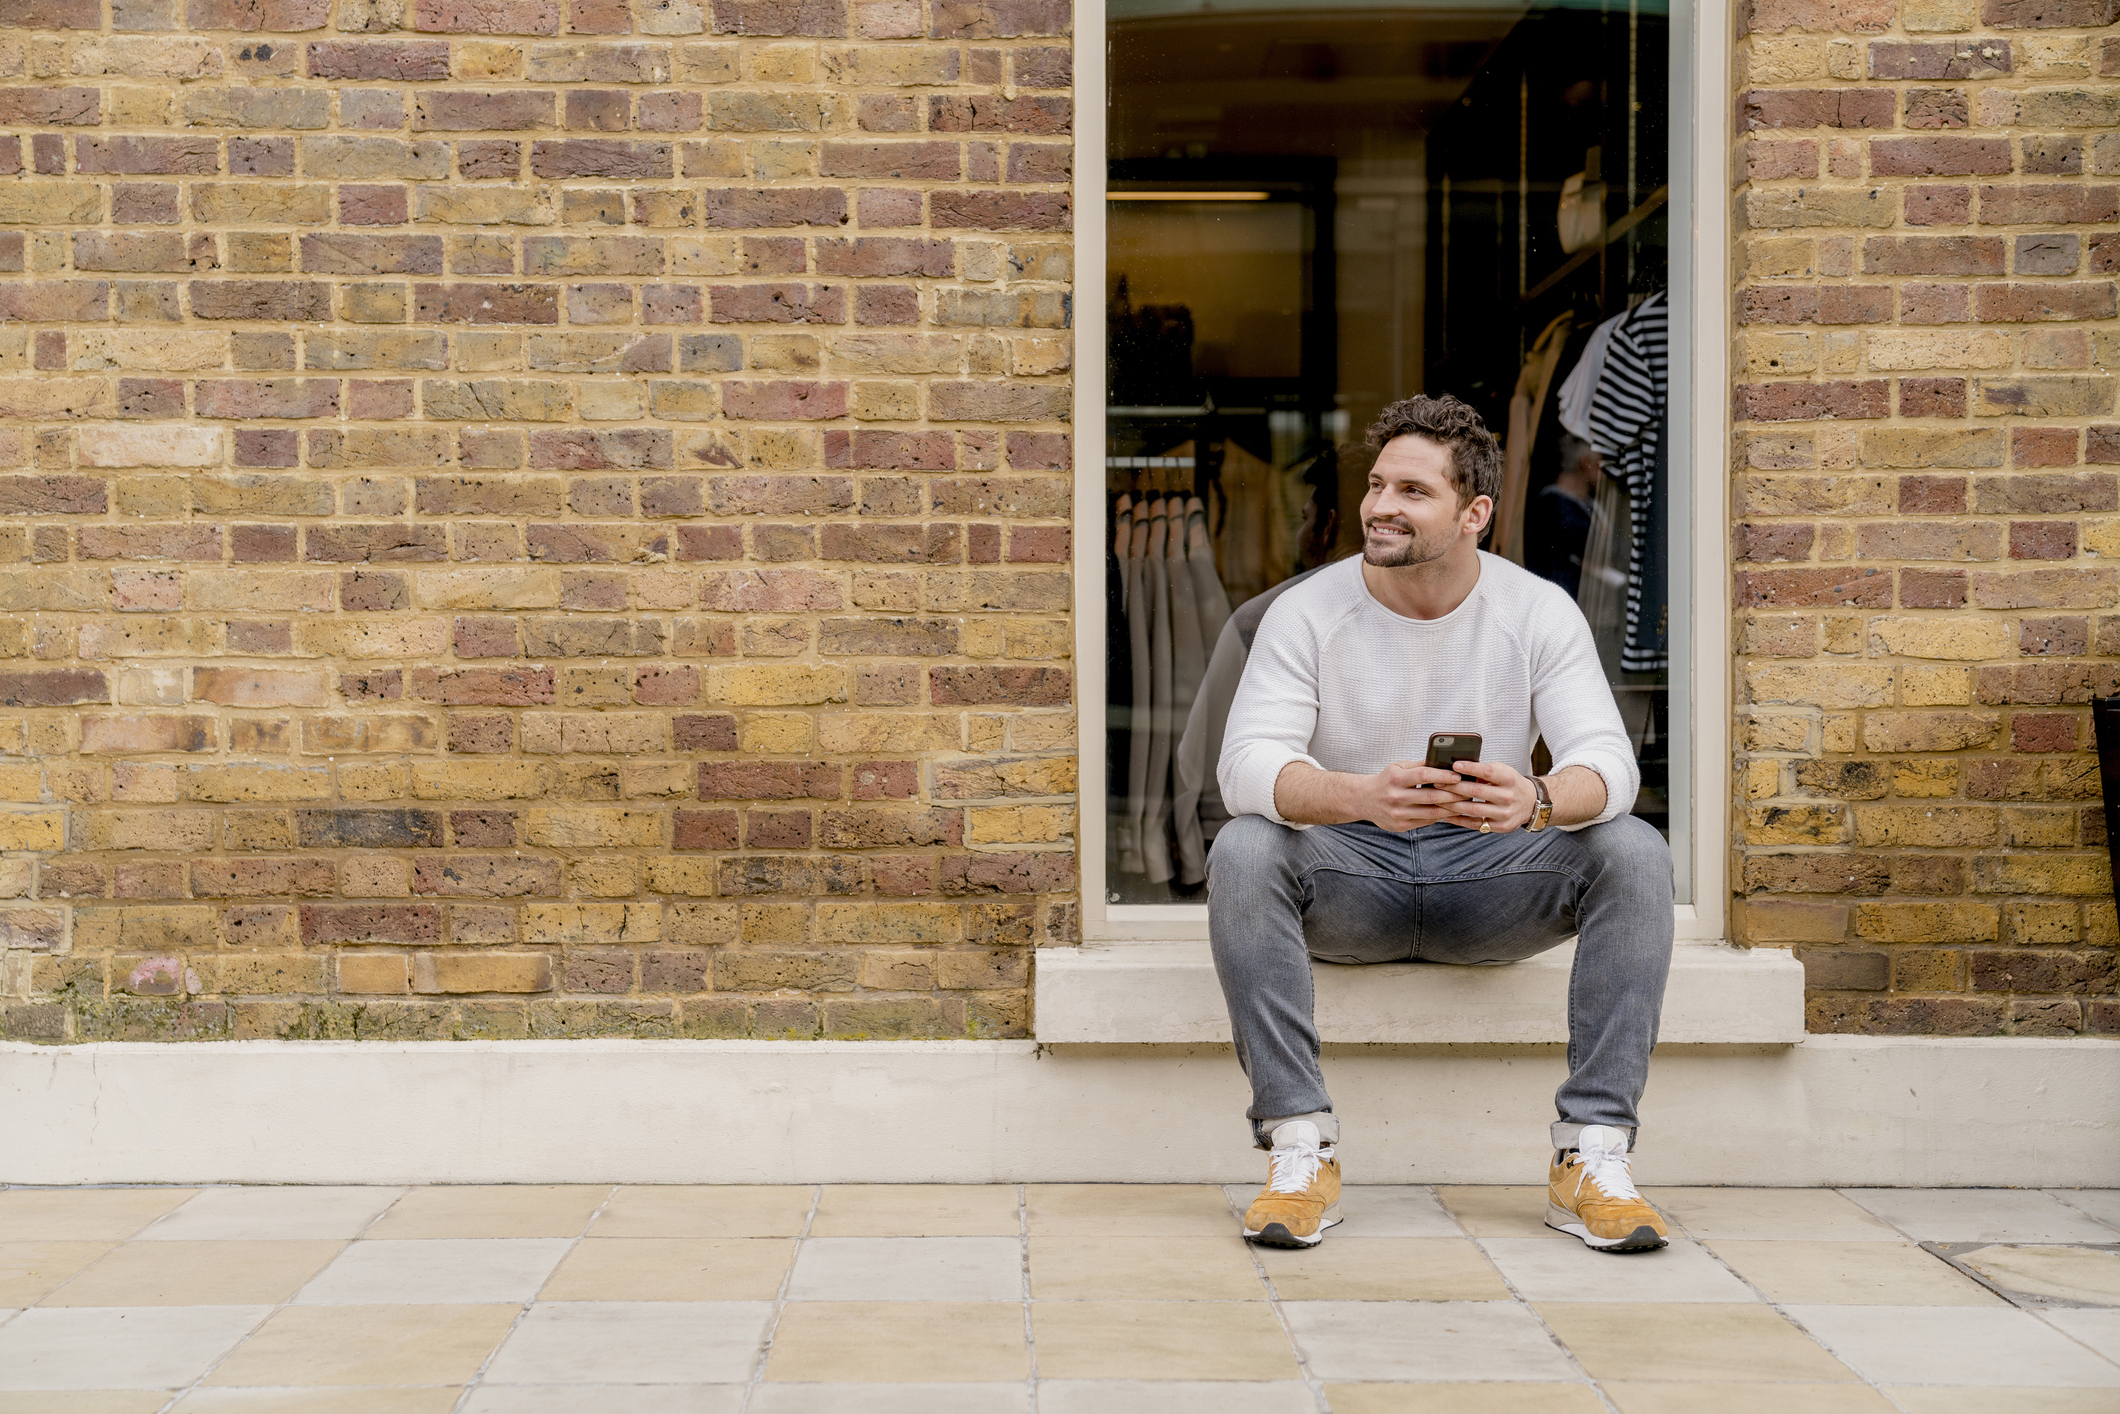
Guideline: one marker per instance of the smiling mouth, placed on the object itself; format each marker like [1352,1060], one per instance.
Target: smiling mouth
[1378,527]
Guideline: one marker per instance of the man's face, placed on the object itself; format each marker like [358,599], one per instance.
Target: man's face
[1411,514]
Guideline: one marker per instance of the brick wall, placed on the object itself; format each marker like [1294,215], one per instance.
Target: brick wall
[1927,488]
[532,517]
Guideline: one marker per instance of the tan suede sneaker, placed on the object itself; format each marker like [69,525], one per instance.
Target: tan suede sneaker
[1590,1194]
[1302,1193]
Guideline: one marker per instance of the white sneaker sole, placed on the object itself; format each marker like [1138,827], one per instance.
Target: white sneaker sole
[1278,1235]
[1642,1239]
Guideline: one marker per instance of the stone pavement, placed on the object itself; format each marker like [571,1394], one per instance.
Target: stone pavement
[1063,1299]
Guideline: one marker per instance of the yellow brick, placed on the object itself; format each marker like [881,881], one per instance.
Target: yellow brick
[1907,350]
[1954,637]
[657,780]
[2063,874]
[581,827]
[1795,824]
[895,732]
[889,922]
[701,924]
[477,780]
[693,878]
[886,402]
[21,783]
[592,923]
[1925,780]
[489,59]
[226,784]
[1777,921]
[607,877]
[390,780]
[776,685]
[481,972]
[1840,685]
[252,974]
[1921,686]
[1020,824]
[1940,16]
[1926,922]
[1779,355]
[164,928]
[1925,826]
[488,589]
[1762,780]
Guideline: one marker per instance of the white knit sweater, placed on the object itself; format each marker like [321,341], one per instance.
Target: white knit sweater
[1340,681]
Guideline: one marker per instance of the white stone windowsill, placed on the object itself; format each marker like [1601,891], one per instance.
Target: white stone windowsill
[1133,993]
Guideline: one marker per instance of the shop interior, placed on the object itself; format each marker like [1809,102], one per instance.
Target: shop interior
[1314,211]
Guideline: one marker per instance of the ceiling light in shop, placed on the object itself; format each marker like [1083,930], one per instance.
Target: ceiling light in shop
[1188,196]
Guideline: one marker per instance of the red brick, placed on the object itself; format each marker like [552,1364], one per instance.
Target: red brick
[1783,402]
[1939,157]
[817,18]
[1939,206]
[1932,255]
[2044,204]
[1025,687]
[1932,397]
[2013,303]
[784,401]
[51,14]
[999,211]
[273,16]
[739,208]
[1941,59]
[418,62]
[1814,108]
[2042,540]
[142,156]
[2042,446]
[2045,14]
[486,16]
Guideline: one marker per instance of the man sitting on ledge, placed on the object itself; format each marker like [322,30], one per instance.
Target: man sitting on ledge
[1346,848]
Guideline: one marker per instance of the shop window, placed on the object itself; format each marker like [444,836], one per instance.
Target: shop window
[1313,211]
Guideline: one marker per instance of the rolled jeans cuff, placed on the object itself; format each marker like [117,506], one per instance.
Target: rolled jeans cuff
[1327,1122]
[1569,1136]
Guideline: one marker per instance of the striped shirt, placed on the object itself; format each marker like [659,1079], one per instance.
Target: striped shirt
[1626,422]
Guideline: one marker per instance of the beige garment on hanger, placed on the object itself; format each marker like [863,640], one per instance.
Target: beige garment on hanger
[1525,408]
[1241,544]
[1155,822]
[1207,580]
[1138,619]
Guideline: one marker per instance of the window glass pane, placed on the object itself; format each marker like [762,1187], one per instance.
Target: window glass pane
[1314,211]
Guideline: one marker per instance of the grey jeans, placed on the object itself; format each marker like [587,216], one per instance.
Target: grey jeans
[1279,897]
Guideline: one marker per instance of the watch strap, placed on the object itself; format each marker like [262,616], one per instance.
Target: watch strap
[1542,813]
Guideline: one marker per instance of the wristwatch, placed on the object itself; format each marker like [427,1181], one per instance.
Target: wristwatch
[1542,813]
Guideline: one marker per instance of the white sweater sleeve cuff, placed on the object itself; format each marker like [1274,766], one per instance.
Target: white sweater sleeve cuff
[1622,782]
[1254,781]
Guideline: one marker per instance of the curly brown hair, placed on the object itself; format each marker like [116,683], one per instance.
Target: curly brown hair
[1475,457]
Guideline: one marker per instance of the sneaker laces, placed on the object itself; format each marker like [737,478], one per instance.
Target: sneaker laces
[1609,1170]
[1293,1168]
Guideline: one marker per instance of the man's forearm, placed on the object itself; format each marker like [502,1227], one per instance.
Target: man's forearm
[1307,796]
[1578,795]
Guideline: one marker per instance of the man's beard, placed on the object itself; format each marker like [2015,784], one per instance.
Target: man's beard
[1399,551]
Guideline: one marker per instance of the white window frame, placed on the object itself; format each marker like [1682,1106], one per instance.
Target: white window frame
[1701,140]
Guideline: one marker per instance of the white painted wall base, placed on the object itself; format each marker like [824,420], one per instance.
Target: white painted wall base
[1833,1110]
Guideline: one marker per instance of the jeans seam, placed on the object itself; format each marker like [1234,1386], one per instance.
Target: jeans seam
[1568,874]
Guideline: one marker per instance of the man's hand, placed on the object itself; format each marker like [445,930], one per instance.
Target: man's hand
[1499,797]
[1404,796]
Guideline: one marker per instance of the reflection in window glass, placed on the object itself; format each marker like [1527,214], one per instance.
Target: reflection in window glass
[1314,211]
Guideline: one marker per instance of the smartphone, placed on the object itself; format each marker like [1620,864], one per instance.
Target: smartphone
[1446,749]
